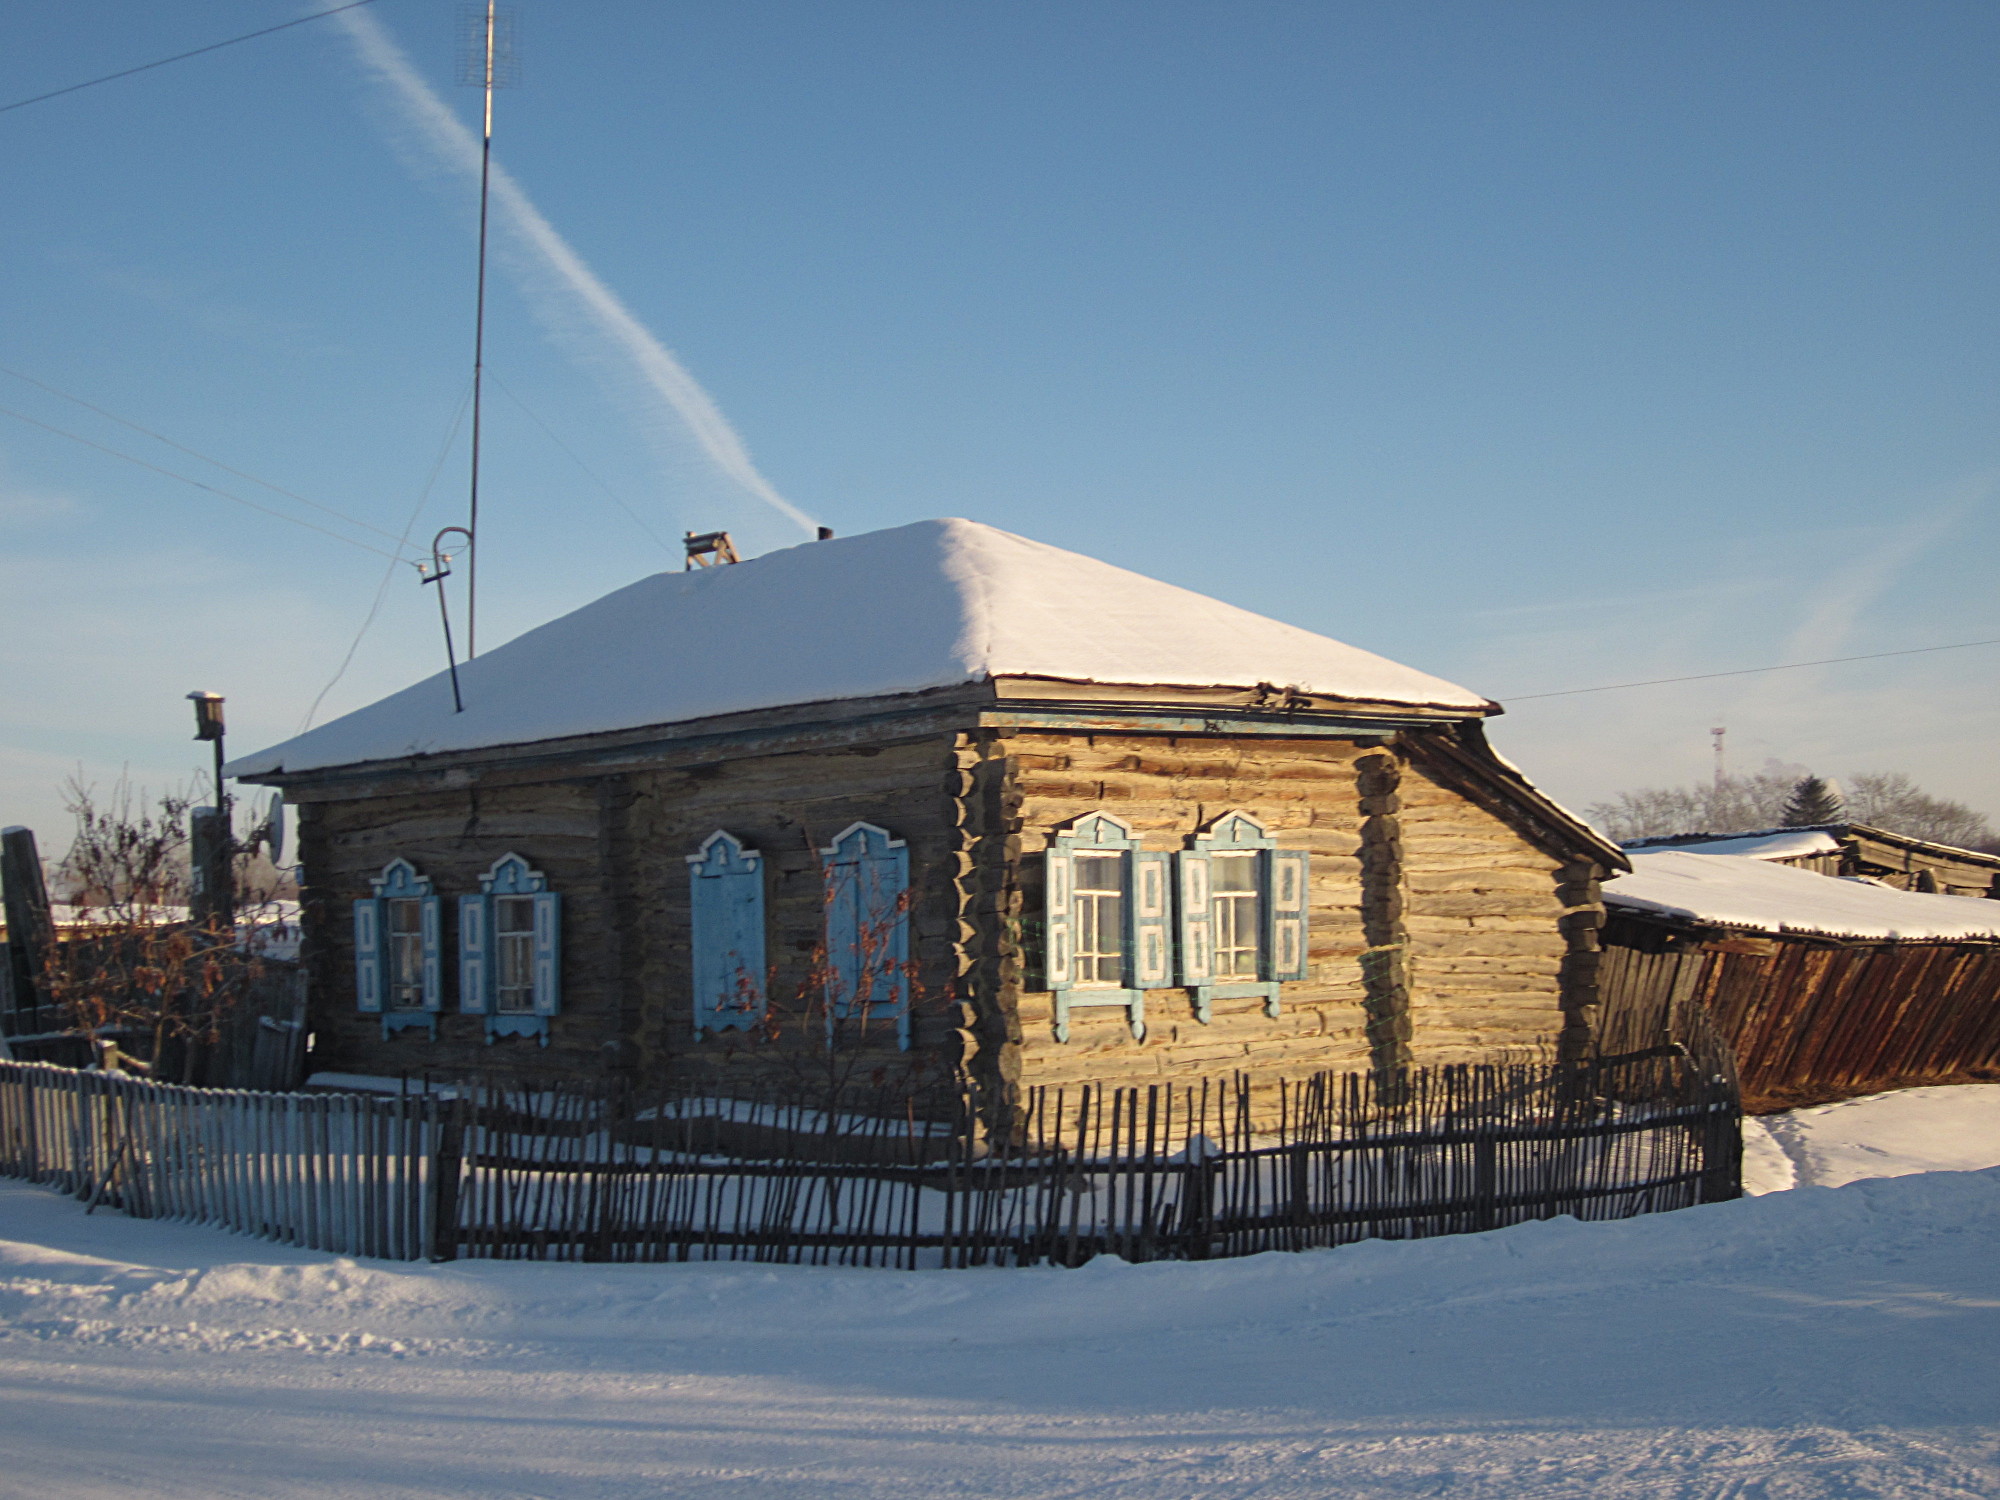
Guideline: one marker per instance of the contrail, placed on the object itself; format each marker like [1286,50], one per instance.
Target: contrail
[450,140]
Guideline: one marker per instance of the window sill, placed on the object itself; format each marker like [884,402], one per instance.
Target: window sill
[1132,1001]
[409,1020]
[514,1024]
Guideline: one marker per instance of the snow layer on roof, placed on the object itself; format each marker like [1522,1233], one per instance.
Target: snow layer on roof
[1735,891]
[1785,843]
[929,605]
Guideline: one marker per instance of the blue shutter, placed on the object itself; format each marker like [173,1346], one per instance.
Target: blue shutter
[868,926]
[368,955]
[1150,908]
[1058,938]
[548,952]
[1197,945]
[475,954]
[1285,946]
[433,936]
[726,895]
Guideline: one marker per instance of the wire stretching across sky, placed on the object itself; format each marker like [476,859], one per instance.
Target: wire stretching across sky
[451,141]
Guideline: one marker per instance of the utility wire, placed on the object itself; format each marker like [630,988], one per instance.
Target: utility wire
[577,458]
[198,484]
[389,573]
[183,56]
[1790,666]
[196,453]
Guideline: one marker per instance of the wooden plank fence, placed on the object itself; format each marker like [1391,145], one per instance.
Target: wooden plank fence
[1185,1171]
[1809,1019]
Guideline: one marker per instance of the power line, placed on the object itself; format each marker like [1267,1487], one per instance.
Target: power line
[184,479]
[196,453]
[1790,666]
[183,56]
[389,573]
[577,459]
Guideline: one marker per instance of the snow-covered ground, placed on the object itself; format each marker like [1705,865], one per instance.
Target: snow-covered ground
[1830,1341]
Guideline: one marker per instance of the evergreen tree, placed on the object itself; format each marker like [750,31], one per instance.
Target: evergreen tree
[1812,802]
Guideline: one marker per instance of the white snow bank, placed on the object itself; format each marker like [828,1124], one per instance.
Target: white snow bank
[929,605]
[1813,1344]
[1954,1128]
[1734,891]
[1822,1344]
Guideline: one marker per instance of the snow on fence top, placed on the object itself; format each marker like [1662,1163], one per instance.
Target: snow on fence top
[1729,890]
[932,604]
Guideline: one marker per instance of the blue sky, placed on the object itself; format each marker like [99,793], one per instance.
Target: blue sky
[1539,345]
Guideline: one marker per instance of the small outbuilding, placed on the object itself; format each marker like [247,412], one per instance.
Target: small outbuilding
[1893,859]
[1826,986]
[932,797]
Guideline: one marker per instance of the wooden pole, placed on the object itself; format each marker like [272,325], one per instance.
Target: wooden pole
[30,928]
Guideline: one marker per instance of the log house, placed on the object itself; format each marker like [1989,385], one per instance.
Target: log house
[931,797]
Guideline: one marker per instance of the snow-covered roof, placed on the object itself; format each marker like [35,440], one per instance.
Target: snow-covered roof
[929,605]
[1729,890]
[1781,843]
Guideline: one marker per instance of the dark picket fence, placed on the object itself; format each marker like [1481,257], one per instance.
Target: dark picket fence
[868,1177]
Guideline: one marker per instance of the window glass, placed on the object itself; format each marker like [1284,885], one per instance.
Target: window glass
[406,953]
[1100,919]
[1238,922]
[514,956]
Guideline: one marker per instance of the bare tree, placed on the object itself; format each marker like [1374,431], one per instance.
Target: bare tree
[1890,800]
[1746,804]
[130,959]
[1730,804]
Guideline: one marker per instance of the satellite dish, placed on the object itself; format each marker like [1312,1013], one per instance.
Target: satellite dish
[274,828]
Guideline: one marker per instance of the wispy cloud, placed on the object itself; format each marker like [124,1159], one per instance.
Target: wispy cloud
[1848,591]
[560,283]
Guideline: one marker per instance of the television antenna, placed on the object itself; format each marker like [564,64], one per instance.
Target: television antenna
[487,60]
[437,571]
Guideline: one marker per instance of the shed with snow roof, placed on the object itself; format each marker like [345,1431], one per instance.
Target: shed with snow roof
[1826,986]
[1894,859]
[931,797]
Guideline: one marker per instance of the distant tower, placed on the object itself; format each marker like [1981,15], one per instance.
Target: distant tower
[1721,770]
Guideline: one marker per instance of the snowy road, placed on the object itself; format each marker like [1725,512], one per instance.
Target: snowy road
[1818,1342]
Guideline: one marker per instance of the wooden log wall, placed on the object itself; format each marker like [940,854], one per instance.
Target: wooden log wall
[789,807]
[453,837]
[615,846]
[1441,931]
[1437,927]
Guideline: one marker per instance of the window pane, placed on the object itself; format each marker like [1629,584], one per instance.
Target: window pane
[1100,872]
[406,915]
[1099,919]
[1235,872]
[515,914]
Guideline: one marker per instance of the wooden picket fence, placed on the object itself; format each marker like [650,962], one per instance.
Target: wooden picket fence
[1170,1171]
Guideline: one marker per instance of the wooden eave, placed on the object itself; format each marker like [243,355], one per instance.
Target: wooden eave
[1003,703]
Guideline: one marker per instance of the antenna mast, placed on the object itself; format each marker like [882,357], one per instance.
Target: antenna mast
[487,62]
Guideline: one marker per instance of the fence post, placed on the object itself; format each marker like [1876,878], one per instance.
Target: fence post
[447,1161]
[1486,1179]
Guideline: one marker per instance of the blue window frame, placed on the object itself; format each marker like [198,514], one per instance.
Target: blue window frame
[398,950]
[510,951]
[726,911]
[1107,921]
[868,929]
[1243,914]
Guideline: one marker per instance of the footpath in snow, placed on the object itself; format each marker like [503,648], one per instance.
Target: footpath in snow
[1837,1339]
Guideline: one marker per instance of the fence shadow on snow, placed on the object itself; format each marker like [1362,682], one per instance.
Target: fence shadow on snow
[1184,1171]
